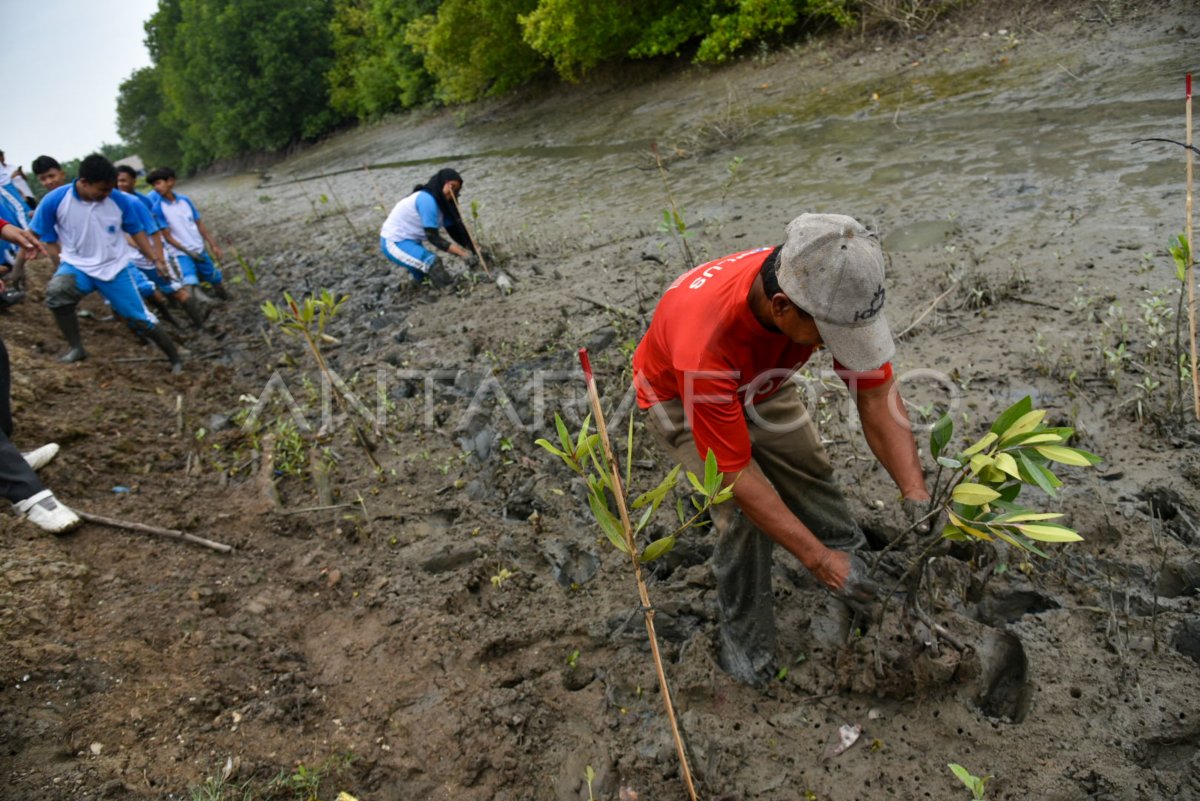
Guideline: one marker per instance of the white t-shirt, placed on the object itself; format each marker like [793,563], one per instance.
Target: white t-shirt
[91,234]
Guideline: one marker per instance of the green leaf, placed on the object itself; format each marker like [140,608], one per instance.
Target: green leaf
[946,461]
[962,525]
[658,548]
[1033,473]
[1034,438]
[974,494]
[711,476]
[965,776]
[564,436]
[656,495]
[608,523]
[980,461]
[1026,517]
[644,519]
[1071,456]
[940,434]
[699,487]
[1006,463]
[679,511]
[583,435]
[984,442]
[1048,532]
[1024,424]
[1012,414]
[546,444]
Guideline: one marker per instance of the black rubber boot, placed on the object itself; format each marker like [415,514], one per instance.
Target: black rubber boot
[68,323]
[159,337]
[438,275]
[219,291]
[161,310]
[196,311]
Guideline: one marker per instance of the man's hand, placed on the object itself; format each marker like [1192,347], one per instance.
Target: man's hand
[30,245]
[472,261]
[161,266]
[855,587]
[920,517]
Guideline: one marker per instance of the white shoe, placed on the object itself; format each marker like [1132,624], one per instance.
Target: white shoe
[47,513]
[39,458]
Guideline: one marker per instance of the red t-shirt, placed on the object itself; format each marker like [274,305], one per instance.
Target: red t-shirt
[706,348]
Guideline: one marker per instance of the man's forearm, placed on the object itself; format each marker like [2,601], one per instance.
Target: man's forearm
[763,507]
[889,435]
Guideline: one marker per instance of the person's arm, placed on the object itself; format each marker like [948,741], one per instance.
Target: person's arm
[142,243]
[208,240]
[889,435]
[29,244]
[438,241]
[764,508]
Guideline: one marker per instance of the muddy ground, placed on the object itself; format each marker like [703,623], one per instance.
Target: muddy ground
[456,627]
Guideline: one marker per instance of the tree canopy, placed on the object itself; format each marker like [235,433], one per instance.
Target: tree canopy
[230,77]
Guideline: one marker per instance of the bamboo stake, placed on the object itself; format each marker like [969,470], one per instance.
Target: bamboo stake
[471,236]
[1191,265]
[643,593]
[162,532]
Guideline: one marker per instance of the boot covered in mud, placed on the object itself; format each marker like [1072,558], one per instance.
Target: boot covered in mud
[162,310]
[438,275]
[68,323]
[167,346]
[219,291]
[196,311]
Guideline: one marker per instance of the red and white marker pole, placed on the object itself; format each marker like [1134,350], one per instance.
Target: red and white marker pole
[1191,265]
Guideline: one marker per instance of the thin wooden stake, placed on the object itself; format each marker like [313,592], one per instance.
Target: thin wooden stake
[643,593]
[1191,265]
[471,236]
[162,532]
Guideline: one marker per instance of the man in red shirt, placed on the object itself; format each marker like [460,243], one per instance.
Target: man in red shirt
[713,373]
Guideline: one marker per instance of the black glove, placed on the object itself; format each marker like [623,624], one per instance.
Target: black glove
[860,590]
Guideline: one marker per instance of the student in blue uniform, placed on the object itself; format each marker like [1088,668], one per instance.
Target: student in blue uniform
[417,219]
[150,281]
[185,234]
[84,225]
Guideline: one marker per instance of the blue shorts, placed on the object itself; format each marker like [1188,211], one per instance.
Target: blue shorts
[409,254]
[145,286]
[167,286]
[193,270]
[121,293]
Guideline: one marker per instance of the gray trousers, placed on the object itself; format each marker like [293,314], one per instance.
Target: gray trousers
[786,447]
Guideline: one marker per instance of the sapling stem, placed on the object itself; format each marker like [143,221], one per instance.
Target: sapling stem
[1191,265]
[643,593]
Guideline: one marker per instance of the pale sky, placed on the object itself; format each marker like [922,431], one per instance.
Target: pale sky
[63,62]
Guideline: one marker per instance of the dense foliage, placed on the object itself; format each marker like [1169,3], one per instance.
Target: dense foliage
[236,76]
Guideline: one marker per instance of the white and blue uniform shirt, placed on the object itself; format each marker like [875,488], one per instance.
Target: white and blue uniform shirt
[150,224]
[90,234]
[410,217]
[180,217]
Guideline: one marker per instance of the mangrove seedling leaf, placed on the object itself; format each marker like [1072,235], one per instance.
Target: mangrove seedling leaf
[974,494]
[980,461]
[546,444]
[940,434]
[1071,456]
[1048,532]
[946,461]
[1033,473]
[1012,414]
[1006,463]
[696,484]
[711,477]
[608,523]
[656,495]
[1025,423]
[658,548]
[986,440]
[564,437]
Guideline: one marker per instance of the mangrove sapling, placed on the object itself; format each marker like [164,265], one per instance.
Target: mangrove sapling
[673,217]
[591,456]
[976,784]
[308,321]
[977,489]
